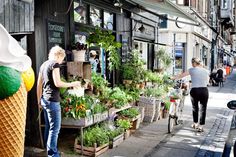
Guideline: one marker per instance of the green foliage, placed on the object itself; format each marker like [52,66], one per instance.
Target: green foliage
[95,135]
[99,108]
[163,58]
[156,92]
[118,97]
[167,103]
[133,68]
[106,40]
[153,77]
[130,113]
[75,107]
[98,81]
[122,123]
[114,133]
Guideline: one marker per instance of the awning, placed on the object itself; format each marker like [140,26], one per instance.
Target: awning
[160,7]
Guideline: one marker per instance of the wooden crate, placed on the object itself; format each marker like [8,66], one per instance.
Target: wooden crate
[97,117]
[77,122]
[90,151]
[158,108]
[104,116]
[150,108]
[116,141]
[127,134]
[136,122]
[80,69]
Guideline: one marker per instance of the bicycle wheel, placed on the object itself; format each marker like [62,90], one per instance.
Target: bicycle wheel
[171,122]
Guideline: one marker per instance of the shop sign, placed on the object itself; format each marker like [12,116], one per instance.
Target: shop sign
[147,33]
[56,34]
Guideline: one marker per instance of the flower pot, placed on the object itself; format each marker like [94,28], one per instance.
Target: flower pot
[79,55]
[128,82]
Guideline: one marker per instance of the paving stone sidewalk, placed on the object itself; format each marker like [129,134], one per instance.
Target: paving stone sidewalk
[152,140]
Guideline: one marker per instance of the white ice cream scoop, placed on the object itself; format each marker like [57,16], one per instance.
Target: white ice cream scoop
[11,53]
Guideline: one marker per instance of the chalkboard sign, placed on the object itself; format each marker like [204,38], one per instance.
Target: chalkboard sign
[56,34]
[124,48]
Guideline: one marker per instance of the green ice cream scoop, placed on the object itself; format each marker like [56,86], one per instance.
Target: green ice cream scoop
[10,81]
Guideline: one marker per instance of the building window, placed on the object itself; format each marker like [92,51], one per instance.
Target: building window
[224,4]
[163,21]
[80,13]
[95,16]
[108,20]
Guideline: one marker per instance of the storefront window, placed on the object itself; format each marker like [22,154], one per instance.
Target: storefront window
[95,16]
[108,20]
[179,56]
[80,12]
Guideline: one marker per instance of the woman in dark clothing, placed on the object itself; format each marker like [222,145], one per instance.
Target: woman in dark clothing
[48,96]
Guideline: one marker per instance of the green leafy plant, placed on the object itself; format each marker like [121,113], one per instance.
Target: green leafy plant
[123,123]
[130,113]
[99,108]
[75,107]
[106,40]
[134,68]
[163,58]
[114,133]
[118,97]
[156,92]
[95,135]
[99,82]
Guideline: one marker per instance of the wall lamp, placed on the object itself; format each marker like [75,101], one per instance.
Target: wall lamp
[78,9]
[117,3]
[141,29]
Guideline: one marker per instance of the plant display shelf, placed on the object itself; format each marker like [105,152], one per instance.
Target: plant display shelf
[114,110]
[78,126]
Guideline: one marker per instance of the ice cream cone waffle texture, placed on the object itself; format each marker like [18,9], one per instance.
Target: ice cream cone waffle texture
[12,124]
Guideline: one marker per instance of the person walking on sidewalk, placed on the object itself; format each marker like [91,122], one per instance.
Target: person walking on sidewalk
[48,96]
[199,92]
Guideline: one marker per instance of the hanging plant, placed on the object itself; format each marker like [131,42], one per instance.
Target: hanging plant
[106,40]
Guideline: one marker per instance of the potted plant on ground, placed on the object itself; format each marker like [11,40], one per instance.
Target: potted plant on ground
[95,141]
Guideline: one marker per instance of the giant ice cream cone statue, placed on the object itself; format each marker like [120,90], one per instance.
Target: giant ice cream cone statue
[16,78]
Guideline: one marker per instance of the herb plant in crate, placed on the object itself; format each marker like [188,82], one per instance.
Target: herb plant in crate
[126,125]
[76,110]
[133,116]
[118,97]
[99,83]
[100,112]
[95,141]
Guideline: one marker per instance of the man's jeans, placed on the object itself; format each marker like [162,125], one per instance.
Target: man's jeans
[52,116]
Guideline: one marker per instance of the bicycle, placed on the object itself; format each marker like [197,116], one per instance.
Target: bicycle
[177,98]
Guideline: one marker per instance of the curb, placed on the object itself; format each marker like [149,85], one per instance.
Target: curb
[214,143]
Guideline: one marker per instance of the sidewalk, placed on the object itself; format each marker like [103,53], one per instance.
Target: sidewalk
[152,140]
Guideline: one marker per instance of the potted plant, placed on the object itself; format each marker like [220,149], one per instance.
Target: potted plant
[133,115]
[126,125]
[100,112]
[106,40]
[164,60]
[76,111]
[99,83]
[95,141]
[118,98]
[116,137]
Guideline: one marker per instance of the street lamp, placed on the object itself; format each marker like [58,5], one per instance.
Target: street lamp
[78,9]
